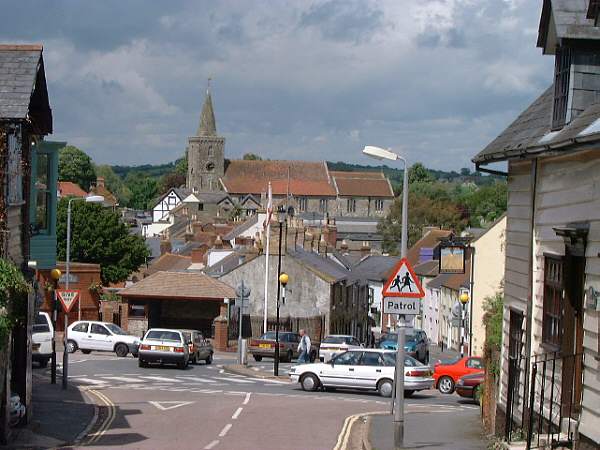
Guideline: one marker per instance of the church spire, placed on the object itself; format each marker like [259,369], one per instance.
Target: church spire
[207,125]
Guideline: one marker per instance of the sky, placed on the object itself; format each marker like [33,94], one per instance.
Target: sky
[434,80]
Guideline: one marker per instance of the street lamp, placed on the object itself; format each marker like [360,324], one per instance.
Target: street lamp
[281,216]
[88,199]
[398,402]
[464,299]
[55,274]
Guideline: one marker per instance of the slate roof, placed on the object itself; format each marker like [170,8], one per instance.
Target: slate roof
[362,184]
[23,92]
[229,263]
[241,228]
[374,267]
[428,268]
[570,19]
[454,281]
[179,286]
[323,267]
[252,177]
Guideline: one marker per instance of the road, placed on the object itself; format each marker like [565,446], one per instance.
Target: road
[204,407]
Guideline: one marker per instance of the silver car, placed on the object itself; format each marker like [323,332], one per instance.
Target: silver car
[164,346]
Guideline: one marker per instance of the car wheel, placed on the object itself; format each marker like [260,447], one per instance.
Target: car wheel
[477,394]
[257,358]
[408,394]
[142,363]
[309,382]
[86,352]
[385,388]
[121,350]
[446,385]
[209,359]
[71,346]
[289,356]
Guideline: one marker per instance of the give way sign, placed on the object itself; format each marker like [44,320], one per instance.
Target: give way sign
[67,297]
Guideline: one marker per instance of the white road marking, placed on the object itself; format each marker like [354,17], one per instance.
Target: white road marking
[247,399]
[91,381]
[211,445]
[235,380]
[167,405]
[201,380]
[126,379]
[268,380]
[237,413]
[225,429]
[166,380]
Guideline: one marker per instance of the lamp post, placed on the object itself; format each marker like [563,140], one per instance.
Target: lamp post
[88,199]
[464,299]
[281,216]
[398,402]
[55,275]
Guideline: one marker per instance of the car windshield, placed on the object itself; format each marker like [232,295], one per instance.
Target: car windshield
[164,335]
[115,329]
[449,361]
[337,340]
[41,324]
[269,335]
[389,359]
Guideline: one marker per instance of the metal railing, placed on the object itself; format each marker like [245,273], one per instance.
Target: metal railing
[546,410]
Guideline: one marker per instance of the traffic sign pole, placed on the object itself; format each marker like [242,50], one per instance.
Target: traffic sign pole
[65,370]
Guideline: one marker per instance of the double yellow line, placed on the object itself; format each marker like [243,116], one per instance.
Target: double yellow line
[112,413]
[344,436]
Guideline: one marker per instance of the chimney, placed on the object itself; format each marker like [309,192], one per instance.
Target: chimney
[322,248]
[330,233]
[165,246]
[344,245]
[218,242]
[365,249]
[100,182]
[198,255]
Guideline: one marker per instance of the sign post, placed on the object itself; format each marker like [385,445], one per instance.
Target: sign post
[402,294]
[68,298]
[243,293]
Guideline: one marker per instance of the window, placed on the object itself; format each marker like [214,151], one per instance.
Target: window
[41,324]
[99,329]
[137,311]
[475,363]
[163,335]
[323,205]
[81,327]
[302,204]
[351,205]
[378,205]
[562,69]
[211,151]
[371,359]
[347,359]
[553,298]
[15,168]
[200,206]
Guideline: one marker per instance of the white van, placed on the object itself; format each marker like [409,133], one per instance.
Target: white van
[87,335]
[42,336]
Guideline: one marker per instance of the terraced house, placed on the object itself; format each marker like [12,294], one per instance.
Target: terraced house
[550,366]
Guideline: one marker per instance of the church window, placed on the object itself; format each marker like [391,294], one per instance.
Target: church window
[211,151]
[562,69]
[210,166]
[351,205]
[323,205]
[302,204]
[378,205]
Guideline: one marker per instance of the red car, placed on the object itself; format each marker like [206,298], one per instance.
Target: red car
[470,386]
[447,372]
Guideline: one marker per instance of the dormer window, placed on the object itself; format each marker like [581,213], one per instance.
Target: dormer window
[562,70]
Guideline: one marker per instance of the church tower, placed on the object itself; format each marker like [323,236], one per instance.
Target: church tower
[206,153]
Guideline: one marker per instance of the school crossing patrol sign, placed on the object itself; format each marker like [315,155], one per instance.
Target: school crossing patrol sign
[402,293]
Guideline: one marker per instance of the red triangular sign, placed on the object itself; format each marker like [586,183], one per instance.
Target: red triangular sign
[403,282]
[67,297]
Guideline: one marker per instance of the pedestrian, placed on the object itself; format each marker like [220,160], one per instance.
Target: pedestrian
[303,348]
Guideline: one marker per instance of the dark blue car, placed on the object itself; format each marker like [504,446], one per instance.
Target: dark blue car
[415,345]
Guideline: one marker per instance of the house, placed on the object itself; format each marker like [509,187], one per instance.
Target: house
[550,360]
[99,188]
[28,175]
[307,186]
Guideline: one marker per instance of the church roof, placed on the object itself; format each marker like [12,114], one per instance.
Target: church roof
[362,184]
[304,178]
[208,126]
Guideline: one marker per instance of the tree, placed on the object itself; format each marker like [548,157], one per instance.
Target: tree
[143,190]
[422,212]
[114,184]
[98,236]
[76,166]
[171,180]
[181,165]
[484,204]
[251,157]
[418,173]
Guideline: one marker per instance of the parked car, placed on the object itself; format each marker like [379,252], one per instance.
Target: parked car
[42,335]
[470,386]
[447,372]
[200,349]
[335,344]
[264,346]
[416,344]
[89,336]
[363,369]
[164,346]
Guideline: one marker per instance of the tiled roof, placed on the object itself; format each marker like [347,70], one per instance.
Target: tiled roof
[430,240]
[179,285]
[362,184]
[428,268]
[169,261]
[109,197]
[70,189]
[23,92]
[252,177]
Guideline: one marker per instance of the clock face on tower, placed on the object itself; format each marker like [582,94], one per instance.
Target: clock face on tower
[210,166]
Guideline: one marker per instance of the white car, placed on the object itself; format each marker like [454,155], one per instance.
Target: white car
[363,369]
[42,335]
[165,346]
[335,344]
[87,335]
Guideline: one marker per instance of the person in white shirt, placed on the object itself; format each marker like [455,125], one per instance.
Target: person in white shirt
[303,348]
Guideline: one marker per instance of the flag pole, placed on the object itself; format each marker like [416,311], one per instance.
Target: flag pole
[268,230]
